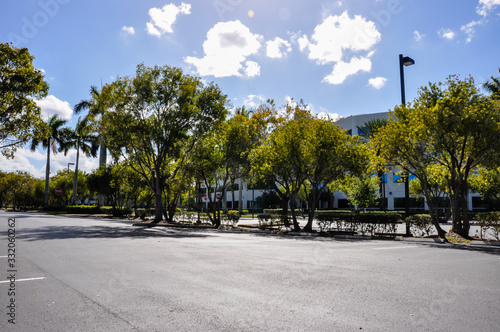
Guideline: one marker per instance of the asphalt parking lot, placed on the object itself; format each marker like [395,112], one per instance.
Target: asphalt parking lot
[85,274]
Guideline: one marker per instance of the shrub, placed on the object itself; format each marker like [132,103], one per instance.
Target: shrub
[184,215]
[363,223]
[280,211]
[269,220]
[83,209]
[489,222]
[231,218]
[420,224]
[145,213]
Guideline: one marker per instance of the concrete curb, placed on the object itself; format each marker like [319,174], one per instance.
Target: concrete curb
[238,230]
[303,234]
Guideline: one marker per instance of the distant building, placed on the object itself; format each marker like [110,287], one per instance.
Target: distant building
[393,193]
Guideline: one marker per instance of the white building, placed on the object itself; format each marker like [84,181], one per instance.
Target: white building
[393,192]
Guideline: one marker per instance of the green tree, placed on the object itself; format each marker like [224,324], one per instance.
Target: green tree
[370,128]
[281,162]
[55,140]
[97,105]
[209,165]
[62,179]
[487,182]
[81,139]
[20,85]
[451,125]
[367,132]
[361,191]
[493,86]
[19,189]
[330,154]
[158,117]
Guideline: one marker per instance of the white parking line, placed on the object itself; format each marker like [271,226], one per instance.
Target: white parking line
[27,279]
[3,256]
[387,248]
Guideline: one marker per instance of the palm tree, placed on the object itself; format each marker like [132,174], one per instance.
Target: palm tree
[367,132]
[57,136]
[369,128]
[96,106]
[493,86]
[83,140]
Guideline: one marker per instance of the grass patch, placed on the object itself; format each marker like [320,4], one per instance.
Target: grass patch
[453,237]
[455,240]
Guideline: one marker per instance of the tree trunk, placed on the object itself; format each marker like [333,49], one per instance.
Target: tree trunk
[232,195]
[433,211]
[293,204]
[312,208]
[75,178]
[158,201]
[101,197]
[465,211]
[47,176]
[240,197]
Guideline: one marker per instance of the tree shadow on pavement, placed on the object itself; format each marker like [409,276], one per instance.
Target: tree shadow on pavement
[100,232]
[487,249]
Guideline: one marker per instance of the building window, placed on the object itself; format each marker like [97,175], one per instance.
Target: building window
[397,178]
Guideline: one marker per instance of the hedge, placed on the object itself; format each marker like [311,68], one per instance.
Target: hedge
[94,209]
[267,220]
[83,209]
[363,223]
[489,222]
[420,224]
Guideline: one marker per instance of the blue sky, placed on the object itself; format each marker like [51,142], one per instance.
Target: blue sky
[340,57]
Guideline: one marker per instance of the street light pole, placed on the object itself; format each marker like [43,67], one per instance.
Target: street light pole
[405,61]
[69,164]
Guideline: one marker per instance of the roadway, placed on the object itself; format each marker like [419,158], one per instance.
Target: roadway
[89,274]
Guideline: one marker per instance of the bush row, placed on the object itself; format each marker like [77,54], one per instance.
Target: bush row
[94,209]
[361,223]
[279,211]
[489,222]
[420,224]
[268,220]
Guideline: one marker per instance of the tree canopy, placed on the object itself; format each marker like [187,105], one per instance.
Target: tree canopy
[156,119]
[20,85]
[451,125]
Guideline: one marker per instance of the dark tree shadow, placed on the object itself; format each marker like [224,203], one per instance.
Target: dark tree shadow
[101,232]
[486,249]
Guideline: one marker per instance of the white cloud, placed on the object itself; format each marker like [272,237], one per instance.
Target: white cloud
[418,36]
[274,48]
[22,162]
[253,101]
[446,34]
[162,19]
[342,70]
[486,6]
[470,29]
[329,116]
[50,105]
[128,30]
[337,37]
[227,47]
[303,43]
[377,82]
[339,33]
[252,69]
[34,162]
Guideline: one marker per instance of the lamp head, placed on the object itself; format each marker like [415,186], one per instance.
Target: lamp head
[407,61]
